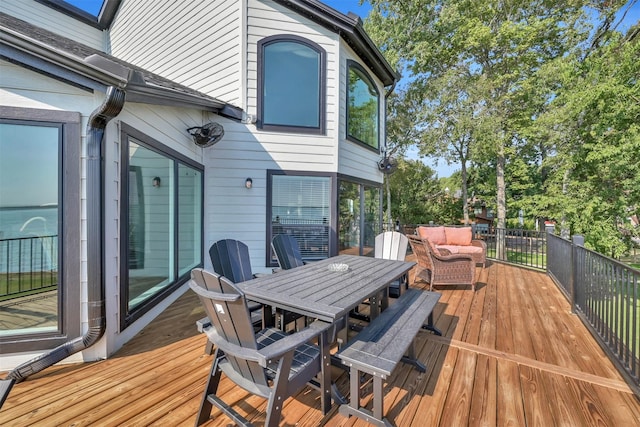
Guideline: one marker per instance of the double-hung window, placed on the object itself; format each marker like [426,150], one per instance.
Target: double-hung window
[291,85]
[363,107]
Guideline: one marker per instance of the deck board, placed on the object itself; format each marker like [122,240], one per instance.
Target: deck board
[512,352]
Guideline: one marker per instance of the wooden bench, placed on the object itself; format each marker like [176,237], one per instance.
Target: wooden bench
[380,346]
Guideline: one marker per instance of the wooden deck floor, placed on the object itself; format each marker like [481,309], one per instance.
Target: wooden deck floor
[511,354]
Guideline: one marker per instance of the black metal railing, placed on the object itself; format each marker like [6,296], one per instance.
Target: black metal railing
[28,265]
[516,246]
[605,294]
[559,266]
[312,236]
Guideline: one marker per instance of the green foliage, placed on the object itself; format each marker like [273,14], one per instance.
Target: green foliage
[514,223]
[473,65]
[417,197]
[541,99]
[594,177]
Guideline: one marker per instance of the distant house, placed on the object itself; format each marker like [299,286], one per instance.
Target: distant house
[101,177]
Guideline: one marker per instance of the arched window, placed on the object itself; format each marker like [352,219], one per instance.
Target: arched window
[363,107]
[291,85]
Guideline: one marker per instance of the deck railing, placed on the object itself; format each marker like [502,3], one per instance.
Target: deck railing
[28,265]
[312,236]
[521,247]
[605,294]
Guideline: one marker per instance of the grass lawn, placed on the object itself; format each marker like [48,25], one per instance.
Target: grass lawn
[538,260]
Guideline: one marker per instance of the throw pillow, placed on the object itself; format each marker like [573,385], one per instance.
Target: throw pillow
[460,236]
[435,235]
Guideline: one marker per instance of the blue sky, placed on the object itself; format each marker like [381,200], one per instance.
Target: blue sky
[344,6]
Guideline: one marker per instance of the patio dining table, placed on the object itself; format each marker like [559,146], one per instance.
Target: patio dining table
[318,291]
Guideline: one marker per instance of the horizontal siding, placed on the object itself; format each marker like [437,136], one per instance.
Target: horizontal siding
[27,89]
[232,210]
[165,124]
[192,43]
[54,21]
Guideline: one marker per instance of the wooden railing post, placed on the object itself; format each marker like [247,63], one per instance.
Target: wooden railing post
[576,241]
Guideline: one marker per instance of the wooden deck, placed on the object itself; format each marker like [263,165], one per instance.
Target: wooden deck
[511,354]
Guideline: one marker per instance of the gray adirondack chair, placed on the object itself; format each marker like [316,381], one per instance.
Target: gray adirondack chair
[230,258]
[393,245]
[268,363]
[287,251]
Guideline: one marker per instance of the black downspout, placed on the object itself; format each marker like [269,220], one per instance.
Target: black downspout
[98,120]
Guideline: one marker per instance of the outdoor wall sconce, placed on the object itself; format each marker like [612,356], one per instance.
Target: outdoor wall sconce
[248,183]
[156,181]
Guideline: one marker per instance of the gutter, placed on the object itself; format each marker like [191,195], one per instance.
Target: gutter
[110,108]
[351,29]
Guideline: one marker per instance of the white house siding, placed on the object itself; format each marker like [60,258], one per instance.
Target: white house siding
[195,43]
[266,18]
[57,22]
[231,210]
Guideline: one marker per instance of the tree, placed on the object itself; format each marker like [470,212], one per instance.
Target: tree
[401,133]
[501,44]
[592,129]
[449,120]
[416,192]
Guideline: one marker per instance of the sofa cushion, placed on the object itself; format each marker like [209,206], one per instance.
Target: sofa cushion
[457,249]
[435,235]
[460,236]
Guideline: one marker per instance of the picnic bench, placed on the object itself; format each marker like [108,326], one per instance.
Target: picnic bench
[380,346]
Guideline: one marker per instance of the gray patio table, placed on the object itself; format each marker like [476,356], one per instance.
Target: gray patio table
[318,292]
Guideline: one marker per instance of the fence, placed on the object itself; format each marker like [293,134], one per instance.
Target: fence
[28,265]
[521,247]
[605,294]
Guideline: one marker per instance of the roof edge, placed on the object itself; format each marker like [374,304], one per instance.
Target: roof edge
[350,28]
[101,69]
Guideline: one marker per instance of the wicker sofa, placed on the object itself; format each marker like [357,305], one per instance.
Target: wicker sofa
[436,269]
[454,240]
